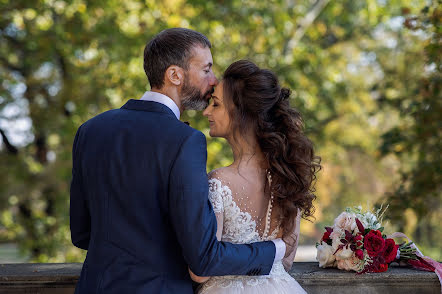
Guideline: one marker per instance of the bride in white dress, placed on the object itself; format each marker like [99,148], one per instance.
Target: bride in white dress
[269,186]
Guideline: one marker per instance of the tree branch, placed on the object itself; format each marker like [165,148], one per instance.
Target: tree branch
[303,25]
[322,123]
[59,57]
[11,148]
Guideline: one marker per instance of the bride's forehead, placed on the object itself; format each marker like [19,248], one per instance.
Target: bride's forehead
[219,90]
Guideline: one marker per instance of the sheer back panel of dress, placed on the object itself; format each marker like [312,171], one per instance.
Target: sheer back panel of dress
[241,205]
[249,205]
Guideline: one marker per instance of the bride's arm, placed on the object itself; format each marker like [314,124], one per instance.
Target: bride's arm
[288,260]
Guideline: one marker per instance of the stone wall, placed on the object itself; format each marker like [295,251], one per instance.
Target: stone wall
[61,279]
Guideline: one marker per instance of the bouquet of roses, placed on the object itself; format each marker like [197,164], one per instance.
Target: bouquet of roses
[356,242]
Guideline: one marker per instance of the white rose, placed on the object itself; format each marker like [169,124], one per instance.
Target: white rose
[325,255]
[349,264]
[336,234]
[336,242]
[346,221]
[344,253]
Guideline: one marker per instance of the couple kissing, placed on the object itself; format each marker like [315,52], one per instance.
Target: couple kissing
[143,206]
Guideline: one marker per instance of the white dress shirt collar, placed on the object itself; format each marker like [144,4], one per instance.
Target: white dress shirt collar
[163,99]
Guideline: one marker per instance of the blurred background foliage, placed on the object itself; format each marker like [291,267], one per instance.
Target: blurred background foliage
[365,74]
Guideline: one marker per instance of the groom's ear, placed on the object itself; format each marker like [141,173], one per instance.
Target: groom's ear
[175,75]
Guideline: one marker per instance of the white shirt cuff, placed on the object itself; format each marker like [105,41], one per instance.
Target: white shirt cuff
[280,249]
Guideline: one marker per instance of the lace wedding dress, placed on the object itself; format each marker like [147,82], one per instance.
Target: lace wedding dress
[237,214]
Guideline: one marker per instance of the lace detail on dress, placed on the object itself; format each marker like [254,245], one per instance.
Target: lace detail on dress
[216,192]
[239,227]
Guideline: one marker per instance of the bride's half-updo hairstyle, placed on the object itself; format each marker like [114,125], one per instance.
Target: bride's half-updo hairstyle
[256,102]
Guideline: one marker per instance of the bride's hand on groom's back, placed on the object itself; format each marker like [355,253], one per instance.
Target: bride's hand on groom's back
[196,278]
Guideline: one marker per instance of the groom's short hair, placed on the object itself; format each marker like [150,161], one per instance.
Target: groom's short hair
[170,47]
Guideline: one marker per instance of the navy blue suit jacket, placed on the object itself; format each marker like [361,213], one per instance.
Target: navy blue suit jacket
[139,205]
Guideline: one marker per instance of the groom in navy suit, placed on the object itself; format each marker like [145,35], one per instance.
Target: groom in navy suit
[139,192]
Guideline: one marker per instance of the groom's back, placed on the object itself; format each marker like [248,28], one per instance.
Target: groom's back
[124,158]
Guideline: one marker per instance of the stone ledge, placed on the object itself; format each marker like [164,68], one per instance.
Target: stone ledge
[395,280]
[60,278]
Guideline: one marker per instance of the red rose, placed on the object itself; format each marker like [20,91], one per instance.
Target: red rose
[374,243]
[359,254]
[358,240]
[390,250]
[382,268]
[377,265]
[326,236]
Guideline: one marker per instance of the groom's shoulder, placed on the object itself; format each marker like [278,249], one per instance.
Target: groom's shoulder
[100,118]
[185,133]
[165,125]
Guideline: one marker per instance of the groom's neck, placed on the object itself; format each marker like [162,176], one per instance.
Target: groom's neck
[172,94]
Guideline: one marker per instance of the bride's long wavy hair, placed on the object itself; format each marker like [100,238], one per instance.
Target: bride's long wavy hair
[256,102]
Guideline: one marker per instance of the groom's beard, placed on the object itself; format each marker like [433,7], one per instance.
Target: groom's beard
[192,97]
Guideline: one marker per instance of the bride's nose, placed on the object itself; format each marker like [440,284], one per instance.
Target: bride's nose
[206,112]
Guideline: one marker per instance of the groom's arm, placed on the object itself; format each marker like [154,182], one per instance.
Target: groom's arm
[219,232]
[194,222]
[80,219]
